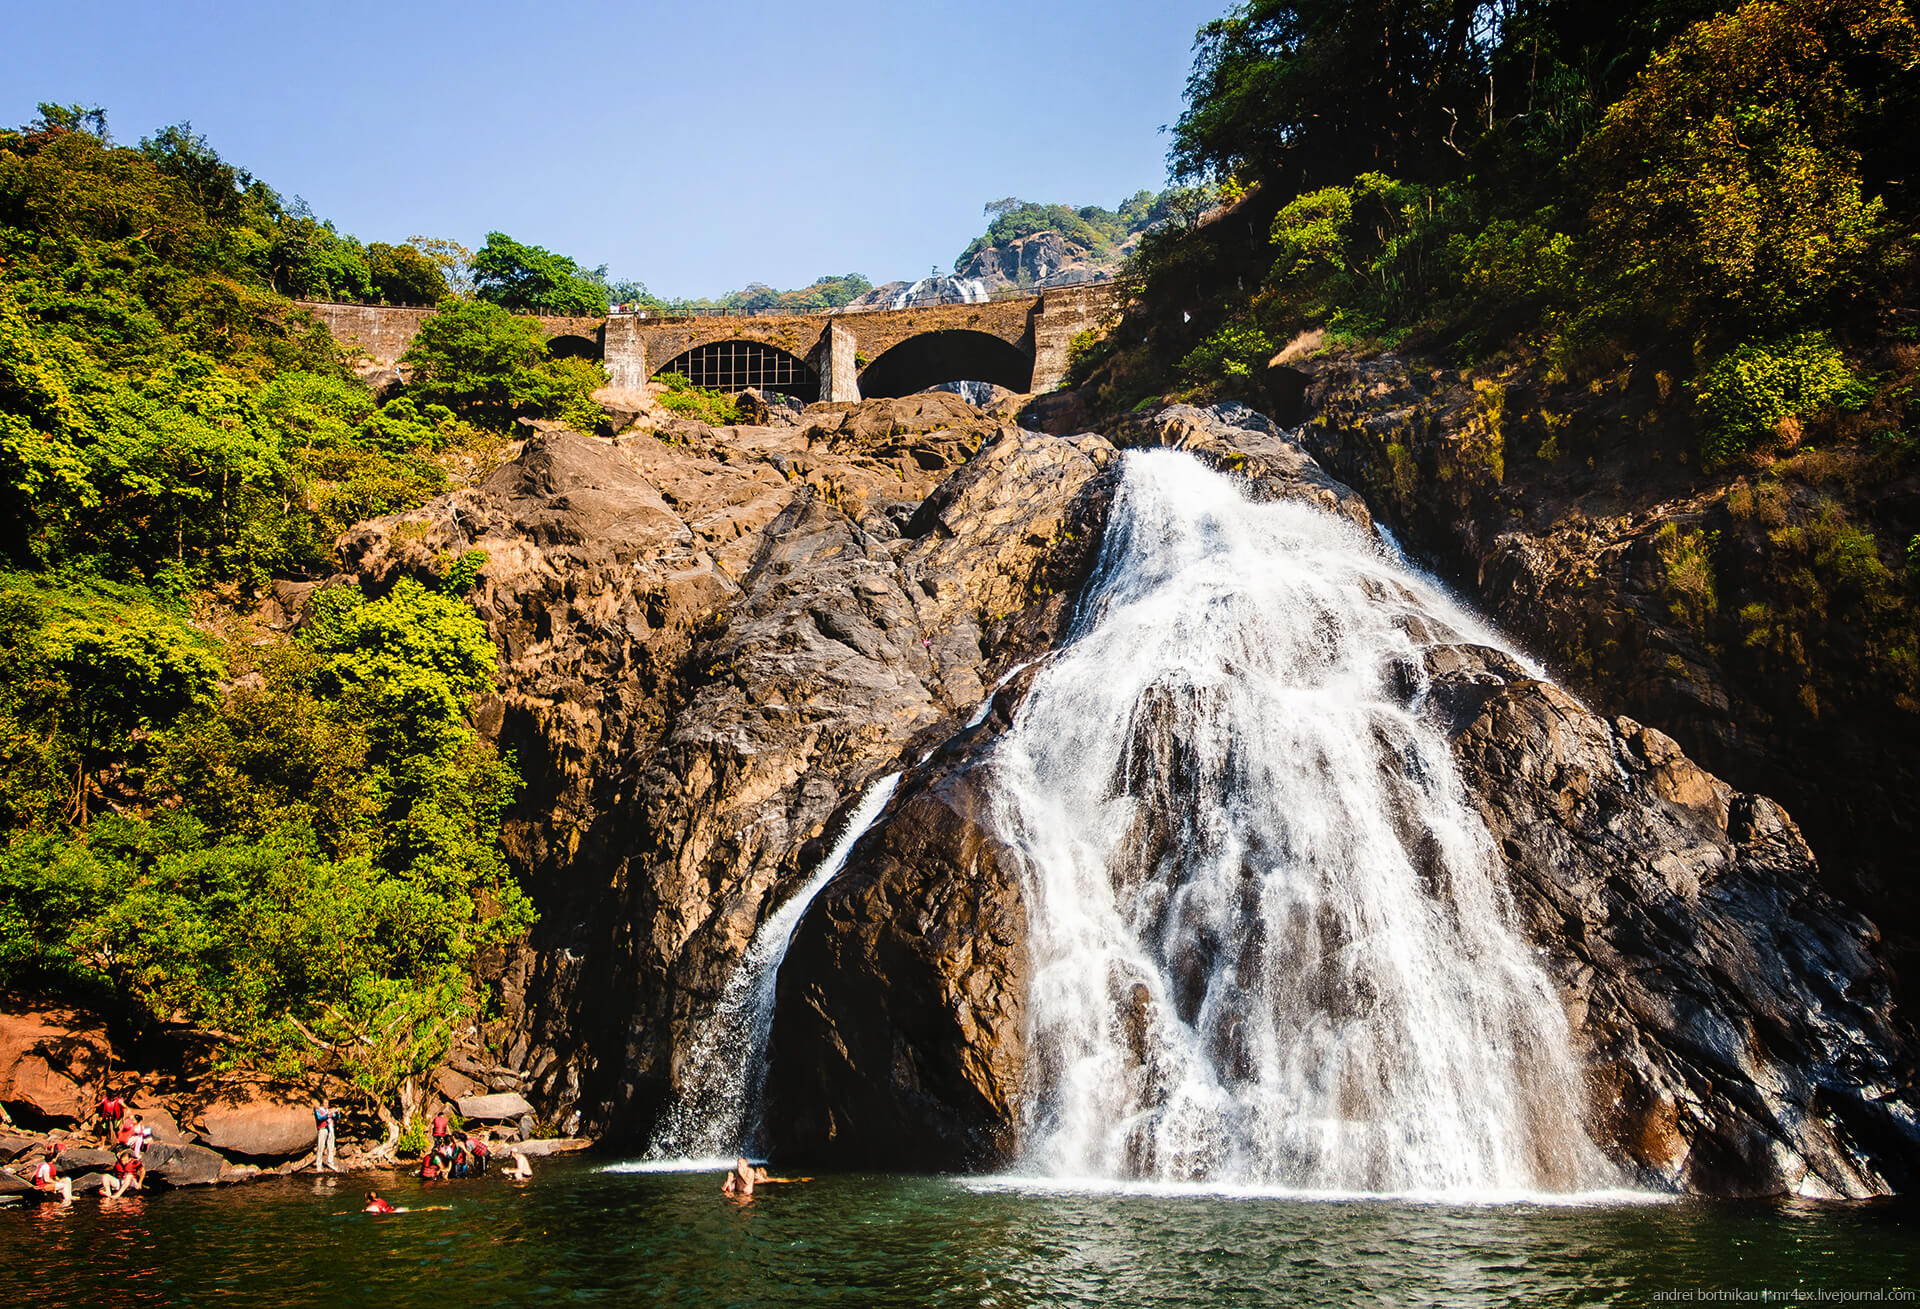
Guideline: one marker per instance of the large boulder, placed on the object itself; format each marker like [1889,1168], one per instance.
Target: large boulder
[13,1184]
[184,1165]
[12,1147]
[506,1104]
[258,1124]
[898,1022]
[52,1060]
[80,1159]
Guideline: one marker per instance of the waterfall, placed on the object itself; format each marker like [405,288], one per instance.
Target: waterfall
[1271,944]
[717,1110]
[941,291]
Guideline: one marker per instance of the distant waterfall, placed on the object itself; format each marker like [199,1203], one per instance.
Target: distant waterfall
[717,1111]
[1270,938]
[941,291]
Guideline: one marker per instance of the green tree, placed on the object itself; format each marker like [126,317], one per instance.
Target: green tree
[1727,184]
[490,366]
[403,275]
[528,279]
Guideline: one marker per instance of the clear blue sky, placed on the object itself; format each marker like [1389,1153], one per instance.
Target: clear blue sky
[697,146]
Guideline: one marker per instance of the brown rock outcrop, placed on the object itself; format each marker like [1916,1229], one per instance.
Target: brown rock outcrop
[259,1124]
[53,1060]
[711,642]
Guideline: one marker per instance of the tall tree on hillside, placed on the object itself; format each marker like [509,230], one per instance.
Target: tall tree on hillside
[1312,92]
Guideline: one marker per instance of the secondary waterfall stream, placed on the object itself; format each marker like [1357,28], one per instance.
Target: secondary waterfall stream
[1270,940]
[717,1111]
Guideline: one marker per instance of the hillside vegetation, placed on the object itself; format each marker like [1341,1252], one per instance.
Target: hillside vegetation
[1652,260]
[281,851]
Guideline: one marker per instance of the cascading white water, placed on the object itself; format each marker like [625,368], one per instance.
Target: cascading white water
[717,1110]
[941,291]
[1269,933]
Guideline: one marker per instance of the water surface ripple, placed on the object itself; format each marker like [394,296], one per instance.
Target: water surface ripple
[578,1234]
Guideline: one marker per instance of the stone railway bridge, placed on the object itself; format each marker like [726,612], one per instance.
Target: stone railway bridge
[1020,344]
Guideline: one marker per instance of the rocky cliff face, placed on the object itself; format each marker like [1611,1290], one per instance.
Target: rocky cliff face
[713,640]
[1733,1020]
[1042,260]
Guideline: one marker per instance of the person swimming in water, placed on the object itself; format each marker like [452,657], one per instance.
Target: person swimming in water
[739,1183]
[375,1205]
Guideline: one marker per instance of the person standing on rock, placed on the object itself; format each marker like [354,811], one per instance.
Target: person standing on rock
[112,1110]
[441,1128]
[325,1119]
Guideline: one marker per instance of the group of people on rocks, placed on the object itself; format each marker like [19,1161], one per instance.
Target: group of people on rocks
[121,1131]
[462,1154]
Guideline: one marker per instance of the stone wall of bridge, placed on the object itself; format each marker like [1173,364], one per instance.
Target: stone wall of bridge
[838,347]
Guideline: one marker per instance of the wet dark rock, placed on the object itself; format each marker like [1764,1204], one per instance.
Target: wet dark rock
[898,1023]
[1734,1018]
[184,1165]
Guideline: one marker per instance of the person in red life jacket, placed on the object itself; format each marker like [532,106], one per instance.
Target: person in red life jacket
[375,1205]
[326,1121]
[113,1111]
[46,1177]
[128,1175]
[430,1166]
[476,1156]
[441,1128]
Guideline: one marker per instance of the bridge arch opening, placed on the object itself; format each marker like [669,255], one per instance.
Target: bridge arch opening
[737,365]
[569,345]
[957,355]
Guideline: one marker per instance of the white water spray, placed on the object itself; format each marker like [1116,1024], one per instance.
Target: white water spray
[717,1111]
[1270,940]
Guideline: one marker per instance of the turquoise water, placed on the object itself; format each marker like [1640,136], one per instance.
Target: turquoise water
[579,1234]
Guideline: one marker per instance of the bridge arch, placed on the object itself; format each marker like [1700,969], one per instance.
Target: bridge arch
[954,355]
[736,365]
[572,345]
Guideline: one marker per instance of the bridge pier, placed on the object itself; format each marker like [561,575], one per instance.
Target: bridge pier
[836,361]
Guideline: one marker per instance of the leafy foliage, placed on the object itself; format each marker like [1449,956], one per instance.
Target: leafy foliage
[530,280]
[1753,388]
[292,846]
[697,402]
[489,367]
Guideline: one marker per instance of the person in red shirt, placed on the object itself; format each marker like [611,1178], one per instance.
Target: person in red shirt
[375,1205]
[46,1177]
[441,1128]
[113,1111]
